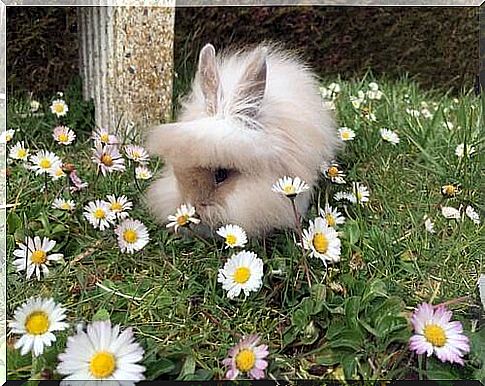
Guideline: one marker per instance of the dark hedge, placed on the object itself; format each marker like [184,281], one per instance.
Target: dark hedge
[438,46]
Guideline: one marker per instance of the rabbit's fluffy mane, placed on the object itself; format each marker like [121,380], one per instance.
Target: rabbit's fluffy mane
[257,111]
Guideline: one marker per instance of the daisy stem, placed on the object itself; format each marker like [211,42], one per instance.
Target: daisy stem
[45,184]
[300,235]
[136,180]
[35,364]
[194,233]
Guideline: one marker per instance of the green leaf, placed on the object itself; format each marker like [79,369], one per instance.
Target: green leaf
[375,289]
[318,292]
[159,367]
[45,222]
[188,368]
[200,375]
[299,319]
[13,222]
[348,338]
[349,364]
[390,324]
[328,357]
[100,315]
[353,231]
[59,228]
[352,308]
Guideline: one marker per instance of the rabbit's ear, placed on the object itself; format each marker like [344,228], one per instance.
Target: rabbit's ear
[209,77]
[250,92]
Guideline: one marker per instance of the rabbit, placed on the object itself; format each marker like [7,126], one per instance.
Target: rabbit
[252,117]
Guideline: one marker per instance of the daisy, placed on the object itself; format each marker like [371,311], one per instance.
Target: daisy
[322,240]
[339,196]
[358,100]
[44,162]
[234,235]
[108,158]
[247,357]
[132,235]
[332,216]
[360,193]
[389,136]
[119,205]
[460,150]
[63,135]
[346,134]
[34,106]
[450,190]
[35,257]
[242,272]
[426,113]
[290,187]
[59,107]
[37,319]
[104,136]
[19,151]
[472,214]
[99,214]
[143,173]
[334,88]
[333,173]
[450,213]
[428,225]
[182,217]
[325,92]
[76,182]
[63,204]
[102,353]
[7,136]
[137,154]
[374,92]
[434,333]
[414,113]
[57,172]
[373,86]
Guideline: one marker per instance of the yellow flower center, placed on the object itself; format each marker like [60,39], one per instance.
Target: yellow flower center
[449,190]
[435,335]
[332,171]
[104,137]
[8,137]
[330,219]
[99,214]
[45,163]
[241,275]
[130,236]
[38,257]
[37,323]
[320,242]
[359,195]
[59,108]
[102,364]
[63,137]
[107,160]
[59,172]
[245,360]
[65,206]
[345,134]
[231,239]
[21,153]
[116,206]
[136,155]
[289,189]
[182,220]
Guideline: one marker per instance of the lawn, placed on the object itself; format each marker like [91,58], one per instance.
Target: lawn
[351,321]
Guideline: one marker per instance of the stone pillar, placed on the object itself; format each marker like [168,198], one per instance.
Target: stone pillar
[126,63]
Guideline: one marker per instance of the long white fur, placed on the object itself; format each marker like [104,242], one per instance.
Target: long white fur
[291,134]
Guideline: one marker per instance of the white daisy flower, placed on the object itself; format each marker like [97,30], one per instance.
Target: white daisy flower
[334,88]
[108,158]
[339,196]
[34,106]
[290,187]
[333,173]
[99,214]
[182,217]
[234,235]
[346,134]
[59,107]
[104,136]
[450,212]
[332,216]
[7,136]
[460,150]
[45,162]
[472,214]
[119,205]
[324,92]
[37,319]
[63,204]
[132,235]
[63,135]
[414,113]
[143,173]
[373,86]
[19,151]
[426,113]
[322,240]
[34,257]
[428,225]
[374,92]
[137,154]
[102,353]
[358,100]
[57,172]
[242,272]
[360,193]
[389,136]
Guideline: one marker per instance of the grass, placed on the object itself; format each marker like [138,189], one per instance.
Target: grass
[169,294]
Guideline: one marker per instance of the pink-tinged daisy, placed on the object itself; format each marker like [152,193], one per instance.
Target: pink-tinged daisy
[108,158]
[63,135]
[137,154]
[247,357]
[434,333]
[104,136]
[76,182]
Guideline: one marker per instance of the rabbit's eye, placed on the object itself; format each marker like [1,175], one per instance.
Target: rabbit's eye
[220,175]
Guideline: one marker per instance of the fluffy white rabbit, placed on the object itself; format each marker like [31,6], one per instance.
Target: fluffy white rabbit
[252,116]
